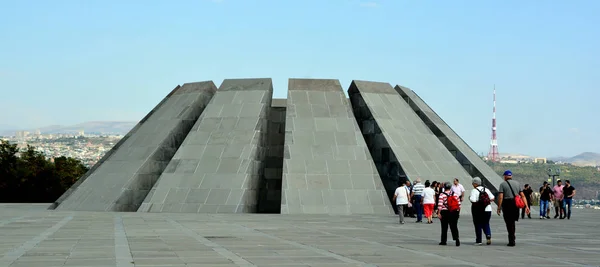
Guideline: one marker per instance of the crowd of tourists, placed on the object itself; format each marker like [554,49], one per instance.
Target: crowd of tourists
[443,200]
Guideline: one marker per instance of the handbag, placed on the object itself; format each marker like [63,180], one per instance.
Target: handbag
[518,200]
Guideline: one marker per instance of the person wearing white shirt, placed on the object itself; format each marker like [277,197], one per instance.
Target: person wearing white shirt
[401,196]
[481,215]
[428,201]
[458,189]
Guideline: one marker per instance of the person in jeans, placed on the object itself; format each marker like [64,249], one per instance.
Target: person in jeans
[506,203]
[401,196]
[568,194]
[481,215]
[429,201]
[417,198]
[545,198]
[447,217]
[528,193]
[559,208]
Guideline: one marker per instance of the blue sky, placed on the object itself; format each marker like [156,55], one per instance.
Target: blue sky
[67,62]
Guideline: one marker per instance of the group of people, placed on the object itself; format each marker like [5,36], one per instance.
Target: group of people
[422,199]
[444,201]
[560,196]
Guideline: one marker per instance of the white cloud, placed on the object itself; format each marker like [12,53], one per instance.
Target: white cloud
[574,130]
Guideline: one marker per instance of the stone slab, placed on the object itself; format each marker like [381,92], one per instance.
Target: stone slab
[41,237]
[218,167]
[122,180]
[327,167]
[402,146]
[458,147]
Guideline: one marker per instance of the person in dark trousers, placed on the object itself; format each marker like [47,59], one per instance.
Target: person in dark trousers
[528,193]
[545,198]
[506,203]
[447,217]
[417,197]
[568,194]
[481,213]
[409,211]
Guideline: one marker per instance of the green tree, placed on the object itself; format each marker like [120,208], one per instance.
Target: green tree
[30,177]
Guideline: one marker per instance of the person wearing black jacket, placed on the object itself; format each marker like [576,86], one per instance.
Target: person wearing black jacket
[546,196]
[568,194]
[528,192]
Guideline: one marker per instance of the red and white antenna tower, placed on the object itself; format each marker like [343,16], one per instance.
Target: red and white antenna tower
[493,154]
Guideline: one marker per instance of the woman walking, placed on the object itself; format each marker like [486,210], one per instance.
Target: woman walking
[448,209]
[428,201]
[481,209]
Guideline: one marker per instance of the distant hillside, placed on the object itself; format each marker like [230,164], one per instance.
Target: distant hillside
[583,159]
[117,127]
[585,179]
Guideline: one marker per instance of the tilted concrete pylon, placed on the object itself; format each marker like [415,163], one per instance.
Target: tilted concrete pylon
[327,166]
[123,178]
[402,146]
[472,163]
[218,167]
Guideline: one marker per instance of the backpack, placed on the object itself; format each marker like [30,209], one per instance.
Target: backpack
[484,199]
[452,202]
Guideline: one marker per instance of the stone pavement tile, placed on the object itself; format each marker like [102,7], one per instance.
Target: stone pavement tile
[158,261]
[90,262]
[36,264]
[206,260]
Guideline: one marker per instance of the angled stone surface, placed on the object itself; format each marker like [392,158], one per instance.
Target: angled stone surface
[218,167]
[327,167]
[111,151]
[401,145]
[474,165]
[121,180]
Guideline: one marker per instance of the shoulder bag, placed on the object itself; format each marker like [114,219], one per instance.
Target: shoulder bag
[518,200]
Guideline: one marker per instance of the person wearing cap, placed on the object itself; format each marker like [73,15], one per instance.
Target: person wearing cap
[506,203]
[545,198]
[481,215]
[559,209]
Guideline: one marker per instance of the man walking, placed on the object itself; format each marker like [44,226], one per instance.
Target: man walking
[545,197]
[506,203]
[417,198]
[458,189]
[401,197]
[528,193]
[559,208]
[568,194]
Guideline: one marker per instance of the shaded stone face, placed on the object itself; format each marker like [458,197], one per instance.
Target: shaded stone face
[237,150]
[123,178]
[402,146]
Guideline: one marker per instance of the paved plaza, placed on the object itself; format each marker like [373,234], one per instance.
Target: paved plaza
[33,236]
